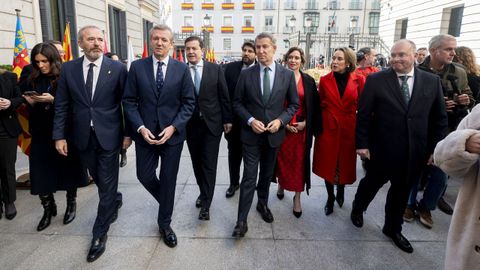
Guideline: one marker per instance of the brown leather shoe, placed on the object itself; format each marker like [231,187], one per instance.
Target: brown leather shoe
[426,218]
[409,214]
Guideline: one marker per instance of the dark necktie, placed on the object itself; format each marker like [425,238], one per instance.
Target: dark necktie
[266,85]
[159,80]
[89,82]
[405,89]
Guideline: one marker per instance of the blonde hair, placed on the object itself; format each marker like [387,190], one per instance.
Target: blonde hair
[466,57]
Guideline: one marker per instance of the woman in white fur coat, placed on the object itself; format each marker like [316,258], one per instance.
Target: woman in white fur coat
[458,156]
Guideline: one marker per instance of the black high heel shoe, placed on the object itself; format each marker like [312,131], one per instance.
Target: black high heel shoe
[340,195]
[295,213]
[280,196]
[329,206]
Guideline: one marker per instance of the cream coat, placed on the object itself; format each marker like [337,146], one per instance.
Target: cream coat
[463,241]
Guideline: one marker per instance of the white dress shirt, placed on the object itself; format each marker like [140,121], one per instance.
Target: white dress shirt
[96,71]
[164,67]
[199,68]
[409,80]
[271,73]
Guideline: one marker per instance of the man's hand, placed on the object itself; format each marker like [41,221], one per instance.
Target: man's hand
[166,134]
[273,126]
[257,126]
[227,127]
[363,153]
[61,146]
[148,136]
[473,143]
[127,141]
[463,99]
[449,104]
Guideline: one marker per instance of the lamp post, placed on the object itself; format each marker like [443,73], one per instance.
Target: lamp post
[291,24]
[353,25]
[308,39]
[206,33]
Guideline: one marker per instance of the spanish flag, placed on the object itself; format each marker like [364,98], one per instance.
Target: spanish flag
[67,44]
[21,59]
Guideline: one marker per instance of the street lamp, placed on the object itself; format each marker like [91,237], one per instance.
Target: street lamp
[308,41]
[353,25]
[291,24]
[206,34]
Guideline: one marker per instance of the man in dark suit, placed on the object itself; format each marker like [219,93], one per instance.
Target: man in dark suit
[401,117]
[232,72]
[88,108]
[265,101]
[158,102]
[212,116]
[10,100]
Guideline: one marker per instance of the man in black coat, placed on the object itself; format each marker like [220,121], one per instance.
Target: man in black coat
[211,117]
[265,100]
[232,72]
[401,117]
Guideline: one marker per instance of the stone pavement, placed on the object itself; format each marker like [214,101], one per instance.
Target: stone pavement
[314,241]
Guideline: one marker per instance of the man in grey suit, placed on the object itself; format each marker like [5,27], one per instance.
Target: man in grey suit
[260,97]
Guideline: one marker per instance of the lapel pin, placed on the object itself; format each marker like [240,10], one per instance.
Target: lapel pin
[109,72]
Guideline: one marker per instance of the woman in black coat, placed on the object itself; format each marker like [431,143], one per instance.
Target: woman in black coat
[10,99]
[49,171]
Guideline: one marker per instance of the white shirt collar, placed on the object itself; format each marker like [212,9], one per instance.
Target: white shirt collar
[199,64]
[164,60]
[271,66]
[98,62]
[409,74]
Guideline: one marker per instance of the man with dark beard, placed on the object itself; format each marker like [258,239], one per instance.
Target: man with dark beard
[232,72]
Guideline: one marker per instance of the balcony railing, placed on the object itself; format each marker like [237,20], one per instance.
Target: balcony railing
[187,29]
[376,5]
[310,5]
[226,29]
[207,28]
[333,5]
[248,5]
[268,28]
[248,29]
[207,5]
[187,6]
[290,5]
[353,30]
[228,5]
[355,5]
[373,30]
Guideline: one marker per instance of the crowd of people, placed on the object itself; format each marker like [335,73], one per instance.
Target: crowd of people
[86,112]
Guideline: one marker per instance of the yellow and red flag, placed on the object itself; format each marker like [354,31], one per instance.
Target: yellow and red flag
[21,59]
[67,44]
[145,50]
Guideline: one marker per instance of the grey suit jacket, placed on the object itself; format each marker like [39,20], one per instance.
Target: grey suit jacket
[248,102]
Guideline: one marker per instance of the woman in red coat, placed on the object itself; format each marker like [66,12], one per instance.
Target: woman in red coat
[293,159]
[334,157]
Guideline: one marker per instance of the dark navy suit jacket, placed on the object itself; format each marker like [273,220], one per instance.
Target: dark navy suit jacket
[173,106]
[104,110]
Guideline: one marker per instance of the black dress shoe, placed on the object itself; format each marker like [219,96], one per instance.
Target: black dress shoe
[204,214]
[231,190]
[356,216]
[97,248]
[10,211]
[280,196]
[169,237]
[198,202]
[70,212]
[115,213]
[265,212]
[329,206]
[444,206]
[240,229]
[400,241]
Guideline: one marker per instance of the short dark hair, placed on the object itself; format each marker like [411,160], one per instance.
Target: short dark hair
[197,38]
[292,49]
[249,43]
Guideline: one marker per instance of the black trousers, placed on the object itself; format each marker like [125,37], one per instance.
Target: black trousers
[397,195]
[103,166]
[203,147]
[253,156]
[8,157]
[162,187]
[234,154]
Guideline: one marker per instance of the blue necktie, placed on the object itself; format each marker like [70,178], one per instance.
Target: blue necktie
[196,79]
[266,85]
[405,89]
[159,80]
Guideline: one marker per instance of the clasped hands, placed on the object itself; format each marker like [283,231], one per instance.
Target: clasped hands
[272,127]
[43,98]
[160,139]
[4,103]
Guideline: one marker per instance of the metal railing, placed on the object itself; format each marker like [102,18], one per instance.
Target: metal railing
[355,5]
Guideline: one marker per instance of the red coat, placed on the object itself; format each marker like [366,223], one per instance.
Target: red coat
[336,143]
